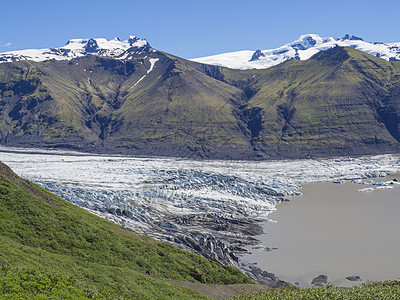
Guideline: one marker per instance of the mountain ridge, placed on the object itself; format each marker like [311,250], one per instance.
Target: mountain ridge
[301,49]
[155,103]
[80,47]
[329,85]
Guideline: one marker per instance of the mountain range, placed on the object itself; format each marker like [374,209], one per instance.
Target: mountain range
[77,48]
[301,49]
[126,97]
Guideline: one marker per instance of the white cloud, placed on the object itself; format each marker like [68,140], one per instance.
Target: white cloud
[7,44]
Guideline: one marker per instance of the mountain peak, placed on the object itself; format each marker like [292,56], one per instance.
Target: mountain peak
[301,49]
[332,56]
[305,41]
[76,48]
[91,46]
[351,38]
[257,55]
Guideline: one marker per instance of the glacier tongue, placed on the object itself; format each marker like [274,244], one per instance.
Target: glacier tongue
[213,208]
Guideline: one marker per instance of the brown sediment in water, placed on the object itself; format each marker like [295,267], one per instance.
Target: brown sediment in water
[334,229]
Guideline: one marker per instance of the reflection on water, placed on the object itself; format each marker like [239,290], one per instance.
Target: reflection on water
[335,230]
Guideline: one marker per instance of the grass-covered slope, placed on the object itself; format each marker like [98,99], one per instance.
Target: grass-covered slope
[370,291]
[181,111]
[341,101]
[49,244]
[154,103]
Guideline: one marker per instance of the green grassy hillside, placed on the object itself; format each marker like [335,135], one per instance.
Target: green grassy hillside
[372,291]
[340,101]
[107,105]
[49,246]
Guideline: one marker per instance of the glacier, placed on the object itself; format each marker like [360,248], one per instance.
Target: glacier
[210,207]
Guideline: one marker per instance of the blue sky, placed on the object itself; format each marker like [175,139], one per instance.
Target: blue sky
[194,28]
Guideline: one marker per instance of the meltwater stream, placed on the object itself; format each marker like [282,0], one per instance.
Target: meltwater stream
[213,208]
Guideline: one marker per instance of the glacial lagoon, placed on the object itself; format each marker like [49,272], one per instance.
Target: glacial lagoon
[334,230]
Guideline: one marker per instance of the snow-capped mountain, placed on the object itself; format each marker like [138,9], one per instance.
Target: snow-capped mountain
[301,49]
[80,47]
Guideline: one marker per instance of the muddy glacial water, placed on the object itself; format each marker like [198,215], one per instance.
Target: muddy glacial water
[335,230]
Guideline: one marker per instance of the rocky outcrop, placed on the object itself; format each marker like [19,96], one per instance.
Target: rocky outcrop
[354,278]
[320,280]
[91,46]
[351,38]
[257,55]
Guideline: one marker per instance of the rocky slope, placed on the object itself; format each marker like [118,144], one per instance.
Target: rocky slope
[338,102]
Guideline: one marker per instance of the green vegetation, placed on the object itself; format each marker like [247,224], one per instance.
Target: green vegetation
[55,247]
[320,106]
[370,291]
[36,285]
[100,103]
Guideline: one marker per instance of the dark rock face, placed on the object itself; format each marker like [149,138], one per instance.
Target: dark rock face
[351,38]
[320,280]
[257,55]
[133,40]
[91,46]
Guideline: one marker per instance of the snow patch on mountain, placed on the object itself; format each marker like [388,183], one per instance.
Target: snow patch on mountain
[301,49]
[79,47]
[152,63]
